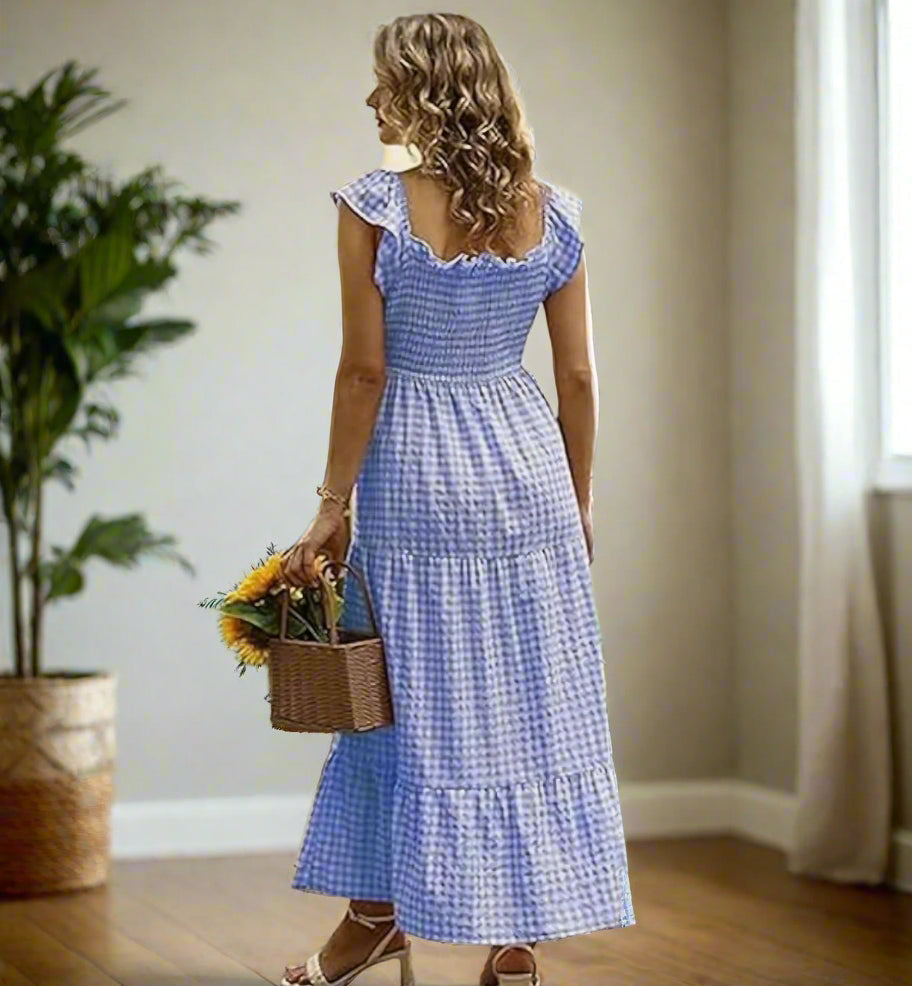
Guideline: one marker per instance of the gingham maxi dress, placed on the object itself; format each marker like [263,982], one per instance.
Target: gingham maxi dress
[488,812]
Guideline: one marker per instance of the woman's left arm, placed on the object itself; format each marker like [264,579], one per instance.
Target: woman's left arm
[360,377]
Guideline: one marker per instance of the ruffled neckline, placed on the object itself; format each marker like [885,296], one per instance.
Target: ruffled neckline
[472,259]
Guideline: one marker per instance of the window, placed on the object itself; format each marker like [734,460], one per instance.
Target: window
[895,109]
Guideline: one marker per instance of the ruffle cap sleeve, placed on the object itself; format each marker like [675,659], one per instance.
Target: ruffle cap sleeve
[566,245]
[372,196]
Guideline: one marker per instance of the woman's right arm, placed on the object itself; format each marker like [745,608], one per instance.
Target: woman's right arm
[569,316]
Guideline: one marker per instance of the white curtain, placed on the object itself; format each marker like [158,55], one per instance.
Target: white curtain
[842,829]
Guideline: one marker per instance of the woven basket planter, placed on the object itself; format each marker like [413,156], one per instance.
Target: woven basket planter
[56,781]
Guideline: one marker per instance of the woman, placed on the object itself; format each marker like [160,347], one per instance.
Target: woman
[488,812]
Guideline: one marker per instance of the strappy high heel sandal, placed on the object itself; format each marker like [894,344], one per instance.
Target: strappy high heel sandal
[406,975]
[516,978]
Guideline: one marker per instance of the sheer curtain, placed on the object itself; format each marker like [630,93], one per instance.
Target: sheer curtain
[842,830]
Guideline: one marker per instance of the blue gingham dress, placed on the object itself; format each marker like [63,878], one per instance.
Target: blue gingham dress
[488,812]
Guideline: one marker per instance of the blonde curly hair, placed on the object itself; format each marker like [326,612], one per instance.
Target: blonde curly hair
[442,84]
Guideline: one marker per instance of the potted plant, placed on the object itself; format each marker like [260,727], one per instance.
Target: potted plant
[79,254]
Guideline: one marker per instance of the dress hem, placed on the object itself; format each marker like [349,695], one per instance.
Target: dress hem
[535,935]
[453,898]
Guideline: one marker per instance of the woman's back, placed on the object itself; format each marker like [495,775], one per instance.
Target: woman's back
[468,313]
[429,217]
[466,455]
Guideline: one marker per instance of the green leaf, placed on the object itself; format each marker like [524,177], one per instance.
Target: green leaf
[143,336]
[56,467]
[108,351]
[265,619]
[121,541]
[300,628]
[41,293]
[143,278]
[61,577]
[103,264]
[213,603]
[117,310]
[100,420]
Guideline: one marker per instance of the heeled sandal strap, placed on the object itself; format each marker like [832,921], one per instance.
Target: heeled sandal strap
[314,972]
[369,920]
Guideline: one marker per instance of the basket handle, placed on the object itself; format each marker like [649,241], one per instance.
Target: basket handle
[327,609]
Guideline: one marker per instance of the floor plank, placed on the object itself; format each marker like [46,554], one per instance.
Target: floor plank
[40,957]
[164,934]
[10,976]
[710,912]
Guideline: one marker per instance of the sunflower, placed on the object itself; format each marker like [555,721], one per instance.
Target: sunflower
[257,583]
[249,618]
[251,644]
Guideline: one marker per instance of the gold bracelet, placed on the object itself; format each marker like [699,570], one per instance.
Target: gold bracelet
[327,494]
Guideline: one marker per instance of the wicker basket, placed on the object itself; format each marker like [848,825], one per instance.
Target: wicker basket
[317,687]
[56,764]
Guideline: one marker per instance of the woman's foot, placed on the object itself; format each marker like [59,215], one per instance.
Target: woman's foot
[351,943]
[513,960]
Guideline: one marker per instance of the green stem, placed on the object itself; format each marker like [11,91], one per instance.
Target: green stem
[12,526]
[37,603]
[15,580]
[35,461]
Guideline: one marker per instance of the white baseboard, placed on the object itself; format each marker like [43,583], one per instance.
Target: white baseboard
[207,826]
[651,810]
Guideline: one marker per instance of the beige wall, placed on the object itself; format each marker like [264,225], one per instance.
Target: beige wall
[628,103]
[650,160]
[892,529]
[763,416]
[761,279]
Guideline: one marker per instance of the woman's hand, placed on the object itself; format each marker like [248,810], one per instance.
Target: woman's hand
[586,518]
[328,534]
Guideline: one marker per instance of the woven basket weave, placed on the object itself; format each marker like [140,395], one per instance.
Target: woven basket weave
[56,768]
[317,687]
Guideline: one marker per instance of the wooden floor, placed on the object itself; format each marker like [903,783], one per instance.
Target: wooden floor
[713,912]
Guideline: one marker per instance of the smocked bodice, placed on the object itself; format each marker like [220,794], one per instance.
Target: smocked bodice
[467,315]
